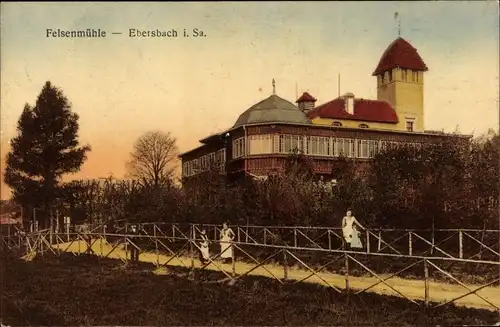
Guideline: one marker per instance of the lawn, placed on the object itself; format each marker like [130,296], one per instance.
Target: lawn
[83,290]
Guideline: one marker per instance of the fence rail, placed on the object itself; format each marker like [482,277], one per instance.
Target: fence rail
[297,254]
[451,243]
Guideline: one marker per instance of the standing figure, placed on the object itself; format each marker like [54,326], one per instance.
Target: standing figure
[85,230]
[226,249]
[204,250]
[347,227]
[134,251]
[356,239]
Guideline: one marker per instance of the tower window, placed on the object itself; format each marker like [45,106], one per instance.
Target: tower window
[337,124]
[363,126]
[414,76]
[405,75]
[409,125]
[390,75]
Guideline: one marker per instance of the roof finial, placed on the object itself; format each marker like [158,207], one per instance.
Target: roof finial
[396,16]
[274,87]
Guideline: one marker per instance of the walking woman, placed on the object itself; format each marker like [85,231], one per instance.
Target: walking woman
[204,250]
[226,237]
[348,222]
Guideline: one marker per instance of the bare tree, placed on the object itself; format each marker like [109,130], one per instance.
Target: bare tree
[154,158]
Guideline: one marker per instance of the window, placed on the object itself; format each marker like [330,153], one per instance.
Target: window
[221,158]
[409,125]
[319,146]
[405,75]
[362,151]
[363,126]
[291,143]
[276,143]
[373,148]
[184,169]
[390,76]
[344,147]
[337,124]
[313,145]
[297,143]
[324,146]
[260,144]
[414,76]
[239,147]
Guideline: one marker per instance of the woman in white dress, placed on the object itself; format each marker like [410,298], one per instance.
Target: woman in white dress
[204,250]
[226,236]
[348,223]
[356,239]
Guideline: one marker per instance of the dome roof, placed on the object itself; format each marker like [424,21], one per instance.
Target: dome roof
[272,110]
[400,53]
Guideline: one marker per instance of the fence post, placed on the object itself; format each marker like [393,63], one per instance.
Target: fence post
[265,236]
[347,275]
[379,240]
[285,266]
[367,241]
[51,225]
[295,237]
[410,244]
[426,283]
[191,247]
[329,240]
[156,247]
[432,240]
[233,261]
[460,244]
[346,272]
[126,245]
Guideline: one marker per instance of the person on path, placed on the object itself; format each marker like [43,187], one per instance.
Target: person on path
[134,251]
[226,249]
[356,239]
[204,250]
[85,230]
[348,222]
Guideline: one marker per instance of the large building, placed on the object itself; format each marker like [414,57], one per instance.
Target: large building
[266,133]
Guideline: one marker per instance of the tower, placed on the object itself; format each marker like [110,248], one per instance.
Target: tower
[400,82]
[306,102]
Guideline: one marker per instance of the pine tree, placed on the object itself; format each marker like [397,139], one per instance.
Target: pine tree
[45,149]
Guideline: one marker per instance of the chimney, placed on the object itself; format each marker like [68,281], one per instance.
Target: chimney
[306,102]
[349,103]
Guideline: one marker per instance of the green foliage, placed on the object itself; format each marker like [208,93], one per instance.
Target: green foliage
[45,149]
[443,185]
[434,186]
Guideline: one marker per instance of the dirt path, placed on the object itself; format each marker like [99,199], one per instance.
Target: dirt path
[412,289]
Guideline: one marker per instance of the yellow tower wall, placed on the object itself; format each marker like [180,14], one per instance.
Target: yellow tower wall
[406,96]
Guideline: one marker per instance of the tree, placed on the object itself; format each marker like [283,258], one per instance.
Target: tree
[45,149]
[153,160]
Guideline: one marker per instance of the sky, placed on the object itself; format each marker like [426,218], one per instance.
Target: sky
[122,87]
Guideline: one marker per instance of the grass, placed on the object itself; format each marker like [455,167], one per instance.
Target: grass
[69,290]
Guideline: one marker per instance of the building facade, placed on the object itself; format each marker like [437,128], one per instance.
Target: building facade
[266,133]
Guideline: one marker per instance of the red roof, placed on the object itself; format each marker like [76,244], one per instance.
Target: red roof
[305,97]
[401,54]
[366,110]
